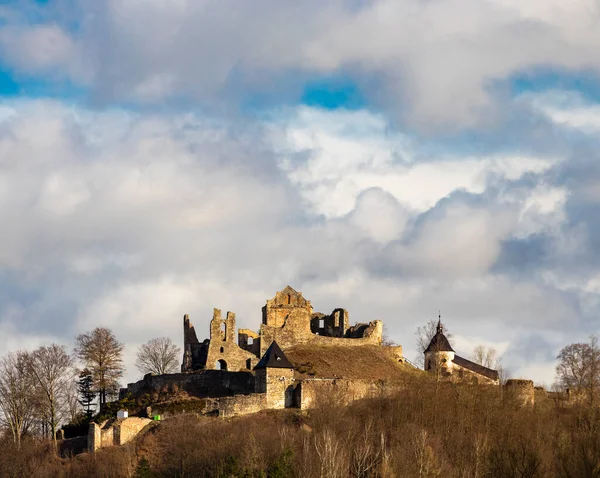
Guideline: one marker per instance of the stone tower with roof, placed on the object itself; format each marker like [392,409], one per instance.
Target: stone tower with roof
[441,359]
[439,355]
[275,377]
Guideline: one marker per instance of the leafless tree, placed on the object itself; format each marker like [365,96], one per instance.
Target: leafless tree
[158,356]
[52,368]
[579,367]
[102,354]
[331,455]
[73,407]
[486,356]
[16,395]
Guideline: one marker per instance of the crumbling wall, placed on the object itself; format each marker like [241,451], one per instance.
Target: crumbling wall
[520,392]
[108,435]
[312,392]
[249,341]
[204,383]
[296,331]
[114,432]
[126,429]
[223,351]
[332,325]
[194,352]
[277,309]
[220,352]
[94,440]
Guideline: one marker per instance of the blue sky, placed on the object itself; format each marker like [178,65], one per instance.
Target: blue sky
[394,158]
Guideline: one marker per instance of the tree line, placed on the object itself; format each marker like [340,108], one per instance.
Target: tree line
[44,388]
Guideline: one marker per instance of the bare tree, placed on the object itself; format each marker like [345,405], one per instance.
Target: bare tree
[423,335]
[158,356]
[16,395]
[486,356]
[102,354]
[73,407]
[52,368]
[579,367]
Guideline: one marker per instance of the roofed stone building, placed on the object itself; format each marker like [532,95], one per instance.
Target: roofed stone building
[441,358]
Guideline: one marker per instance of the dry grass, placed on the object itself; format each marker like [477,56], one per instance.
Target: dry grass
[365,362]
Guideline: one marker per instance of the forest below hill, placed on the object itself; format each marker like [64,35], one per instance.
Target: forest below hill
[429,429]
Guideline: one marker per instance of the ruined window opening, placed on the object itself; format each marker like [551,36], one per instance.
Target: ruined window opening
[321,323]
[289,299]
[222,350]
[224,330]
[250,340]
[221,365]
[249,364]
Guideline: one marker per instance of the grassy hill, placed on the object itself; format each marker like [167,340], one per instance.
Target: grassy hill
[365,362]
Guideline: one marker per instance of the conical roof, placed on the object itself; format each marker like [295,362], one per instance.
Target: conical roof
[274,358]
[439,342]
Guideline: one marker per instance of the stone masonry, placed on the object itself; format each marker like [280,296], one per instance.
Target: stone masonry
[287,318]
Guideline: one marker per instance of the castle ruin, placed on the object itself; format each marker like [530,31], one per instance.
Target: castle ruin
[296,355]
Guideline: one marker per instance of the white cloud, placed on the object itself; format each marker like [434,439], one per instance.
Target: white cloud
[333,157]
[45,50]
[131,220]
[433,64]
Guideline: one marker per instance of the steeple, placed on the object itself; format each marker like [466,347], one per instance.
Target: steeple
[439,342]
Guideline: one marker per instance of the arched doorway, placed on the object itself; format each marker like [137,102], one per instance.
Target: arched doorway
[221,364]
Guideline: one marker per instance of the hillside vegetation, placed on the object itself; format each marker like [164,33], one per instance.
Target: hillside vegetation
[426,430]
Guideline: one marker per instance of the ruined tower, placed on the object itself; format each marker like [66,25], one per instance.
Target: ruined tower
[277,309]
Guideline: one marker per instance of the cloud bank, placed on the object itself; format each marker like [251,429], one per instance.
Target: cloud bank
[158,159]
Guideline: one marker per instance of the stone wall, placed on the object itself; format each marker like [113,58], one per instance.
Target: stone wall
[249,341]
[203,383]
[114,432]
[127,429]
[94,440]
[332,325]
[241,405]
[288,318]
[277,309]
[194,352]
[278,384]
[220,352]
[108,435]
[296,331]
[520,392]
[223,352]
[310,392]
